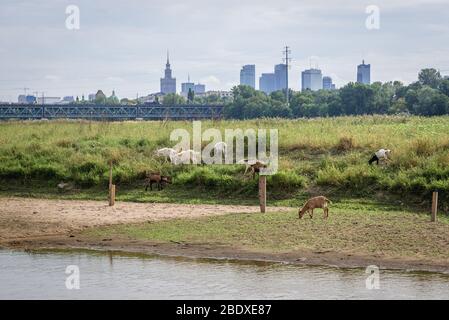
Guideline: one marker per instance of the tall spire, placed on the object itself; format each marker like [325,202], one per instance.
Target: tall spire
[168,58]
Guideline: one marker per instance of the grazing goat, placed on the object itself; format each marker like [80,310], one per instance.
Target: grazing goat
[316,202]
[167,153]
[156,177]
[220,148]
[186,156]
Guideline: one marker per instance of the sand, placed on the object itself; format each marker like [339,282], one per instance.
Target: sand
[28,217]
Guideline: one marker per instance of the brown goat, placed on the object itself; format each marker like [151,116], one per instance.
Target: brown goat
[255,167]
[156,177]
[316,202]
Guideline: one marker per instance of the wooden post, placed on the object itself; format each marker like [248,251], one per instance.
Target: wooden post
[263,193]
[112,195]
[110,174]
[433,217]
[111,186]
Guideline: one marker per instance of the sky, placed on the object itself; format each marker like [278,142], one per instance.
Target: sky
[122,45]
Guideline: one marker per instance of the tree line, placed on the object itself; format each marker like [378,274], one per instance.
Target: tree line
[428,96]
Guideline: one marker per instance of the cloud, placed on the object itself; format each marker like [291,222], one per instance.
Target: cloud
[211,82]
[52,77]
[119,46]
[115,79]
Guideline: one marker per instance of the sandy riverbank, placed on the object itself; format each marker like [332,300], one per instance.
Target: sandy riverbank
[60,224]
[22,218]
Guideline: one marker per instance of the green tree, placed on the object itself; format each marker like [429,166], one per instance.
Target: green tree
[278,96]
[113,100]
[190,95]
[299,100]
[256,107]
[398,106]
[444,87]
[243,91]
[173,99]
[429,77]
[357,98]
[383,97]
[430,102]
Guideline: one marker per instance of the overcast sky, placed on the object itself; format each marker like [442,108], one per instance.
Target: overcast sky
[122,45]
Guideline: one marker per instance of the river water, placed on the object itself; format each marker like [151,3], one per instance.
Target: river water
[42,275]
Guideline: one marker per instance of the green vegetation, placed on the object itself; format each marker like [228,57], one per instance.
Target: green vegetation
[428,96]
[325,155]
[361,231]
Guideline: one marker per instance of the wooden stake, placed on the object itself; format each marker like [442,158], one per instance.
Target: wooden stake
[110,174]
[112,195]
[263,193]
[433,216]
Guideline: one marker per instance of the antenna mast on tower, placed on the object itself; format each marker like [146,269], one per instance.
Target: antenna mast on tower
[287,60]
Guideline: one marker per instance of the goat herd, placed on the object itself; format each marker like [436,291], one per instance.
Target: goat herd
[191,156]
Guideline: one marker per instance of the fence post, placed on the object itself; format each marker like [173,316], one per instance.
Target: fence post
[110,174]
[112,195]
[433,217]
[111,186]
[263,193]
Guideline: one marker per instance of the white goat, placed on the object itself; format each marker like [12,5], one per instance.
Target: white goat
[186,156]
[165,152]
[220,148]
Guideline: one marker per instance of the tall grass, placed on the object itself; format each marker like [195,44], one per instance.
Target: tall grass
[314,154]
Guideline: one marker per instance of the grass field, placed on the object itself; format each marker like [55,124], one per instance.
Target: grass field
[362,231]
[325,155]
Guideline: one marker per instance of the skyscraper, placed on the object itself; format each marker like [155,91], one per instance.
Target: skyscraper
[168,84]
[186,86]
[248,75]
[364,73]
[196,88]
[327,83]
[311,79]
[280,75]
[267,83]
[199,88]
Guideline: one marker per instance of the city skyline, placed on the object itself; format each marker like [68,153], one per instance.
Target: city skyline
[118,47]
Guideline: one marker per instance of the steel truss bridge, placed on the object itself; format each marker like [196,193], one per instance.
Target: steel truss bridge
[110,112]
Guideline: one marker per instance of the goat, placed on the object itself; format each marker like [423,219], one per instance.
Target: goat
[156,177]
[253,165]
[316,202]
[186,156]
[220,148]
[166,152]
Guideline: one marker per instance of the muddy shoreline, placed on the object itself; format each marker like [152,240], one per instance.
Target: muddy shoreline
[61,224]
[217,252]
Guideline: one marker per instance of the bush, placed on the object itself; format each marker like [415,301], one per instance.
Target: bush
[89,173]
[207,177]
[285,182]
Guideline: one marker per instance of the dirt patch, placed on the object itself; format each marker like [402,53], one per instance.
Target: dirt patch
[28,217]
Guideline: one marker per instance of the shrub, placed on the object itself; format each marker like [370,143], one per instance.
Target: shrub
[285,182]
